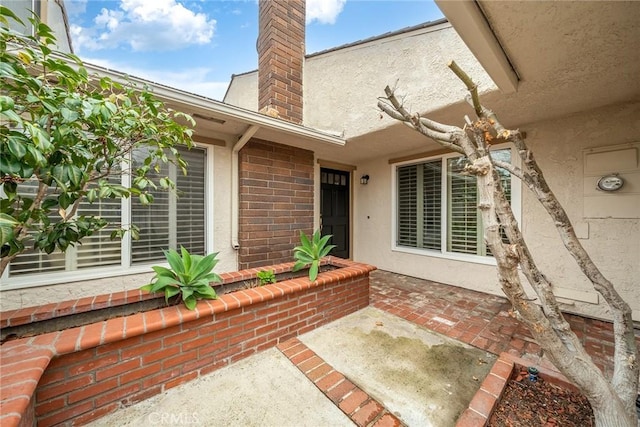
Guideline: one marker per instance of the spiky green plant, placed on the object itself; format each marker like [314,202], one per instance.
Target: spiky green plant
[189,275]
[310,252]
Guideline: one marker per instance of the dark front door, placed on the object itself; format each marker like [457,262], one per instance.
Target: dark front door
[334,209]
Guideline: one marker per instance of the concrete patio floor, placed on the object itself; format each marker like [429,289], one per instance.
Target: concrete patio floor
[368,367]
[381,366]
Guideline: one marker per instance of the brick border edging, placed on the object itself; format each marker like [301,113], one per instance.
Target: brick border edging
[356,404]
[25,315]
[25,360]
[486,398]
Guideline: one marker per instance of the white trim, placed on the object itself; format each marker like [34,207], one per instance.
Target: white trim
[209,206]
[455,256]
[516,206]
[467,19]
[63,277]
[125,206]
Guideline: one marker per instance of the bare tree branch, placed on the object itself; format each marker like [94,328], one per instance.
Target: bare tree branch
[613,402]
[513,170]
[625,350]
[437,126]
[471,86]
[449,139]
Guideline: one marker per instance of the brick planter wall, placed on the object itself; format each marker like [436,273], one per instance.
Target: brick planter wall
[80,374]
[276,202]
[486,399]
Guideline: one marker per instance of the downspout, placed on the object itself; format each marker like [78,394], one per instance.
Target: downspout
[235,178]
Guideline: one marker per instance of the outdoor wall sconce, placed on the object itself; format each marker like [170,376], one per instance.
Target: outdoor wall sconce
[364,179]
[610,182]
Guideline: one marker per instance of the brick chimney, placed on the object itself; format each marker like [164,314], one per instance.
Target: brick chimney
[280,58]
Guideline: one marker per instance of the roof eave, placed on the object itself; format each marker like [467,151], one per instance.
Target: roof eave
[222,110]
[467,19]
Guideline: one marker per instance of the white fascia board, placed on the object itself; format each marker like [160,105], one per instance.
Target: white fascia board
[226,111]
[472,27]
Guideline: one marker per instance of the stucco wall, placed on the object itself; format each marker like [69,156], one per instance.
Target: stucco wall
[340,87]
[558,145]
[243,91]
[55,20]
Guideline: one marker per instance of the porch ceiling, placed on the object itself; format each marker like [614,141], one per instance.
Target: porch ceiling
[569,56]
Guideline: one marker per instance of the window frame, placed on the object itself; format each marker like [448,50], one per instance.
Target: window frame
[516,203]
[126,267]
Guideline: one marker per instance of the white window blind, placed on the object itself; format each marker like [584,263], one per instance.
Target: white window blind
[32,261]
[464,233]
[191,229]
[172,220]
[407,206]
[431,205]
[421,204]
[98,249]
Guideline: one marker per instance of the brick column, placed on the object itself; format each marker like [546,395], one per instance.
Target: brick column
[276,202]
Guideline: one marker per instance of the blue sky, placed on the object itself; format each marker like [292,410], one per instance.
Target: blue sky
[196,45]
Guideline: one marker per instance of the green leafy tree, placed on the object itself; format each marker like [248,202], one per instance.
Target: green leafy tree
[71,135]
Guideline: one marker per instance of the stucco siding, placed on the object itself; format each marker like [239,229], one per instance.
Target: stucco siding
[341,87]
[558,145]
[243,91]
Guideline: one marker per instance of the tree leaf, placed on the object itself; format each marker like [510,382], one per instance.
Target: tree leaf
[75,175]
[7,225]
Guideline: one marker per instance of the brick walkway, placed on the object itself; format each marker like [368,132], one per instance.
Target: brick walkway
[479,319]
[359,406]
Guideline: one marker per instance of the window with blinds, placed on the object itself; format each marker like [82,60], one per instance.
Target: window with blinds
[172,220]
[32,261]
[420,206]
[190,204]
[464,233]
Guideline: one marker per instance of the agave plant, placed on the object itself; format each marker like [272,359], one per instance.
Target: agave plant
[310,252]
[189,275]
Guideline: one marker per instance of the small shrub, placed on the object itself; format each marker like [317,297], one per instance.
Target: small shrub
[189,275]
[265,277]
[310,252]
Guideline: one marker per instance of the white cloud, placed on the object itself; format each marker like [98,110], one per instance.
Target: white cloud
[195,80]
[145,25]
[324,11]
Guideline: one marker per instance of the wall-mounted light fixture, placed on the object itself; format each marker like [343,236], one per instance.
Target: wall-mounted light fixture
[364,179]
[610,182]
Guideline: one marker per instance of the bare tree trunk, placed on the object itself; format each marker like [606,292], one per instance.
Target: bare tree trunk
[613,402]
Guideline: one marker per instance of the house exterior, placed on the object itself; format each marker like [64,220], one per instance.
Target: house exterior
[265,177]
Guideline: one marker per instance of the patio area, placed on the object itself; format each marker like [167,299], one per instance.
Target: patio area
[346,376]
[479,319]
